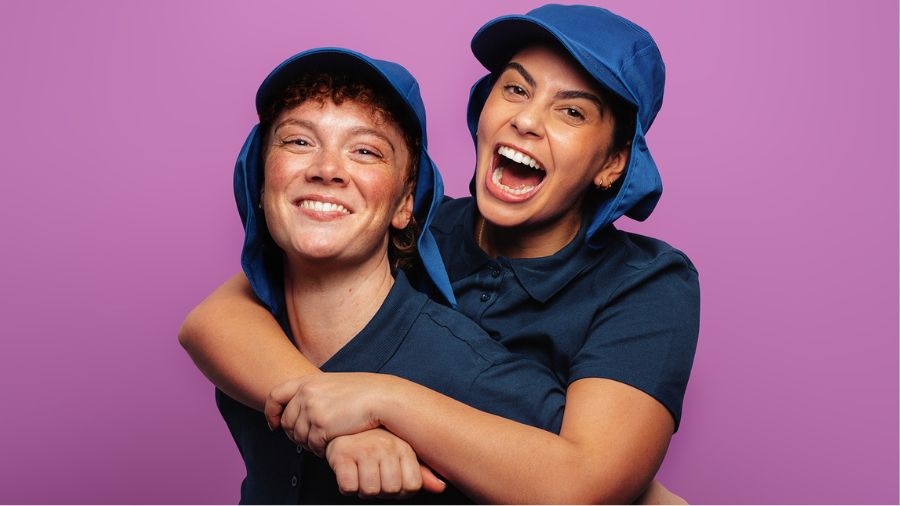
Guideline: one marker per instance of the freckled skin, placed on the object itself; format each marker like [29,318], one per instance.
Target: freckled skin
[342,154]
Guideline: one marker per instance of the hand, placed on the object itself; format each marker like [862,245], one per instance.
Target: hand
[317,408]
[378,464]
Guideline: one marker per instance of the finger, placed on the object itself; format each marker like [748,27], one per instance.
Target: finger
[410,474]
[291,421]
[347,475]
[315,438]
[391,476]
[430,481]
[369,479]
[276,400]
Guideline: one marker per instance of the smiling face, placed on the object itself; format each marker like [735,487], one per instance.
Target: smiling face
[544,140]
[335,181]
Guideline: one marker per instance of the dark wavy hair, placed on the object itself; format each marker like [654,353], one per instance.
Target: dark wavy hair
[339,87]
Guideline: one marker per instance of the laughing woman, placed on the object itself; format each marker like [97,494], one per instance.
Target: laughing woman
[536,261]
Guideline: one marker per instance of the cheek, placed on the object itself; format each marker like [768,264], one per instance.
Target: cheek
[278,173]
[381,190]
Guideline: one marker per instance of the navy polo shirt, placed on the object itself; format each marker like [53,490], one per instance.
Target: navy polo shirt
[627,311]
[415,338]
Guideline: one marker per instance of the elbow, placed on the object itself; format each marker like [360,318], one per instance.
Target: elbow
[589,486]
[187,334]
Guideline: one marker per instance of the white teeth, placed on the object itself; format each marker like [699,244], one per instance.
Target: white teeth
[518,157]
[323,207]
[498,173]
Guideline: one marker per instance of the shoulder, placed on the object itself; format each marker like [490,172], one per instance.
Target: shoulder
[483,373]
[457,340]
[453,329]
[639,260]
[642,252]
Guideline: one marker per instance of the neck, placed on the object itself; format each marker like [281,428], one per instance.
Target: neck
[327,306]
[522,242]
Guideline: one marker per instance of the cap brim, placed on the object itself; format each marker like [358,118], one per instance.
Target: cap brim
[499,40]
[325,60]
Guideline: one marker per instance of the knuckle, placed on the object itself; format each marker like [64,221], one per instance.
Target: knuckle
[346,488]
[369,490]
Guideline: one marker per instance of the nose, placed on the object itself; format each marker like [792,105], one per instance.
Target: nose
[328,168]
[529,120]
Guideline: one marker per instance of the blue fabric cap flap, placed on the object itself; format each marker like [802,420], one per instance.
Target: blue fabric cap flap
[259,252]
[619,54]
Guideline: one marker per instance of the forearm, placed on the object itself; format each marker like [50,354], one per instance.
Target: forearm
[239,346]
[495,460]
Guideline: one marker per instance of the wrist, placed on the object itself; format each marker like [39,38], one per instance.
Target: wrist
[389,399]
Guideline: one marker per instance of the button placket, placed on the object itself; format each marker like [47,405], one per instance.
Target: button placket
[491,280]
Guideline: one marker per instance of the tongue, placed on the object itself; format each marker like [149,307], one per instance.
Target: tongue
[515,175]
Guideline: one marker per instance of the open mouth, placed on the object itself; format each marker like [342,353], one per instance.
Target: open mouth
[516,173]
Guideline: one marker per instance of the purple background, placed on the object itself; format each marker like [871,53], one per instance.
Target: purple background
[778,145]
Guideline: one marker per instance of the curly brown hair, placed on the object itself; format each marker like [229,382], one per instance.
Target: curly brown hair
[339,87]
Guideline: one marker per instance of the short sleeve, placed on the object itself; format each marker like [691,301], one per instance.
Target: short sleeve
[520,389]
[645,334]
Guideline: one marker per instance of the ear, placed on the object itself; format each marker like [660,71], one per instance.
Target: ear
[403,213]
[612,168]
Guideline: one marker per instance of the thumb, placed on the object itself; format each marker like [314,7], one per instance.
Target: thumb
[430,481]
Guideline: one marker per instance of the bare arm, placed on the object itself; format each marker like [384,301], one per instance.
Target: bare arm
[612,441]
[239,346]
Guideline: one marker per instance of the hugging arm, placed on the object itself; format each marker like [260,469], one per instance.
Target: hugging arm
[612,441]
[602,456]
[228,337]
[240,347]
[620,408]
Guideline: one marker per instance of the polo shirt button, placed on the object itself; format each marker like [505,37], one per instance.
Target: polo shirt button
[299,449]
[294,481]
[495,273]
[485,297]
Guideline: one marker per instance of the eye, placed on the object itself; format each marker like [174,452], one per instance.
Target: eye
[573,113]
[367,153]
[514,92]
[515,89]
[296,143]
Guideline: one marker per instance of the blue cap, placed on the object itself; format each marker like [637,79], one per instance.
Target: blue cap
[259,260]
[620,55]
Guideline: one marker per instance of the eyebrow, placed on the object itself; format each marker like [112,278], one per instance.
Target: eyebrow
[521,70]
[565,94]
[292,121]
[360,130]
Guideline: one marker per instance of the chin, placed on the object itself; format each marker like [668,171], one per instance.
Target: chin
[501,214]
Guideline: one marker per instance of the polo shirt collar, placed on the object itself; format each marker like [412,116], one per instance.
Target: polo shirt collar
[377,342]
[541,277]
[544,277]
[471,257]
